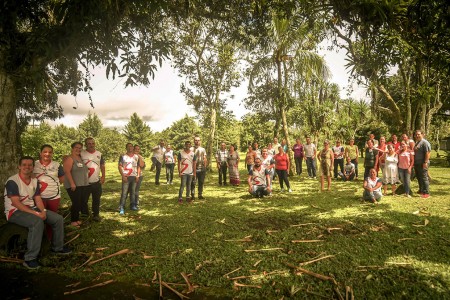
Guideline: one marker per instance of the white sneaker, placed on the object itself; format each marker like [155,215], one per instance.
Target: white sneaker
[290,191]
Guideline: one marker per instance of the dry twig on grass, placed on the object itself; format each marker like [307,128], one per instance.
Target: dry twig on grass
[13,260]
[188,283]
[86,262]
[174,291]
[89,287]
[245,239]
[349,293]
[307,241]
[124,251]
[235,270]
[74,238]
[315,260]
[262,250]
[237,284]
[305,224]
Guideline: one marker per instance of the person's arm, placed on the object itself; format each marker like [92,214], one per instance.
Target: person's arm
[357,152]
[288,163]
[67,166]
[268,182]
[120,167]
[332,160]
[194,166]
[376,161]
[427,159]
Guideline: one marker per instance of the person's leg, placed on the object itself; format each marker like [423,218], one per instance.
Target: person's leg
[329,182]
[137,189]
[286,179]
[300,165]
[96,191]
[341,165]
[188,185]
[56,221]
[322,182]
[407,182]
[313,167]
[418,170]
[366,172]
[84,205]
[172,167]
[297,165]
[355,162]
[35,227]
[335,170]
[132,182]
[201,182]
[158,171]
[308,166]
[377,195]
[75,198]
[224,174]
[123,197]
[183,180]
[220,175]
[280,179]
[352,177]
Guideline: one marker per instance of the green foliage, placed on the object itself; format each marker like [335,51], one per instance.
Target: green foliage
[34,137]
[111,143]
[91,126]
[255,127]
[136,131]
[180,131]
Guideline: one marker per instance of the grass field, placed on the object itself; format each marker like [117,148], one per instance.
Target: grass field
[233,246]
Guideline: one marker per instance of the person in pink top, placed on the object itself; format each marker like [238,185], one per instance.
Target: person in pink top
[405,165]
[282,168]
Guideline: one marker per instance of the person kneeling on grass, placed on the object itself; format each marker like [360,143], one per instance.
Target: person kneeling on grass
[259,180]
[24,207]
[349,171]
[372,187]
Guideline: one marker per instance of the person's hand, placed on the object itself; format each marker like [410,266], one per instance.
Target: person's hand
[425,165]
[124,178]
[409,170]
[102,180]
[250,189]
[73,187]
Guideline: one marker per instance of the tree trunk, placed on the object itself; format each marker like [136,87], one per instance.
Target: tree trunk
[8,119]
[211,137]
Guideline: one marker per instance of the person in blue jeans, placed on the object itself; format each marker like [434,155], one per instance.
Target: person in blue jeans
[186,171]
[422,151]
[130,171]
[24,207]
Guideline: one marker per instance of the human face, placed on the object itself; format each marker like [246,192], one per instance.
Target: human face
[338,143]
[308,140]
[197,142]
[373,174]
[352,142]
[382,140]
[137,149]
[161,143]
[404,146]
[264,153]
[405,137]
[250,148]
[187,146]
[390,149]
[130,148]
[222,146]
[76,150]
[326,145]
[26,167]
[394,138]
[257,162]
[90,145]
[231,148]
[419,135]
[297,141]
[370,144]
[371,136]
[280,150]
[46,154]
[275,141]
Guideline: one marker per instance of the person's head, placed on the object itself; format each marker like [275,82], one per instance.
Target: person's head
[26,165]
[308,140]
[187,145]
[373,173]
[136,149]
[394,138]
[405,137]
[89,143]
[46,153]
[411,144]
[257,162]
[250,148]
[223,146]
[371,136]
[280,150]
[382,140]
[275,140]
[369,144]
[76,148]
[338,143]
[168,147]
[326,144]
[161,143]
[269,145]
[231,148]
[129,147]
[390,148]
[297,140]
[351,141]
[283,142]
[197,141]
[264,152]
[255,145]
[403,146]
[349,160]
[418,134]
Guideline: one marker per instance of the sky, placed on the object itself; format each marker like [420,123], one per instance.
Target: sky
[160,104]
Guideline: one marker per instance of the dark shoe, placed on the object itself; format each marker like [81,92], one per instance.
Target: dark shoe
[157,183]
[225,183]
[84,216]
[201,198]
[180,201]
[189,200]
[134,208]
[97,218]
[64,251]
[32,264]
[192,198]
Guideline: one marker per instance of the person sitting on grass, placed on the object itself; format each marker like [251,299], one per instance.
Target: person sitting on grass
[372,187]
[259,180]
[349,170]
[24,207]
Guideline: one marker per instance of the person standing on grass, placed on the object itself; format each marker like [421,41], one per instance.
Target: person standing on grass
[221,160]
[233,166]
[282,165]
[325,158]
[259,184]
[137,151]
[129,168]
[338,161]
[298,156]
[76,182]
[310,157]
[186,171]
[93,159]
[352,151]
[268,163]
[370,158]
[390,173]
[405,164]
[422,152]
[170,159]
[372,187]
[200,172]
[24,207]
[158,159]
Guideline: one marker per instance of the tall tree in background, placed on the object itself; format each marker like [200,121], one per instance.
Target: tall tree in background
[91,126]
[180,131]
[138,132]
[206,57]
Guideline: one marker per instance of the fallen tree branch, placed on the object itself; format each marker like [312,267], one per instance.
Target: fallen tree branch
[262,250]
[189,284]
[74,238]
[307,241]
[13,260]
[226,275]
[89,287]
[237,284]
[86,262]
[174,291]
[305,224]
[124,251]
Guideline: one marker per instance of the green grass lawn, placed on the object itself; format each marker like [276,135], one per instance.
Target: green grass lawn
[399,249]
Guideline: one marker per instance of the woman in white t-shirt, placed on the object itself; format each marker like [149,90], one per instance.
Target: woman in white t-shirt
[169,162]
[372,187]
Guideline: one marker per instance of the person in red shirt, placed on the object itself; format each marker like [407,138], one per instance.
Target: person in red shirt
[282,165]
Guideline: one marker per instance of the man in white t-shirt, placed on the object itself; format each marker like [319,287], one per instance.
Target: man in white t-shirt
[259,180]
[96,164]
[202,163]
[310,157]
[186,170]
[158,159]
[130,171]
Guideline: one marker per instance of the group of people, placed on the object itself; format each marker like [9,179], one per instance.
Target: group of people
[397,160]
[33,195]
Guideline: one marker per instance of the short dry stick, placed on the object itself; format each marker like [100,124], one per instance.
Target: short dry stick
[89,287]
[124,251]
